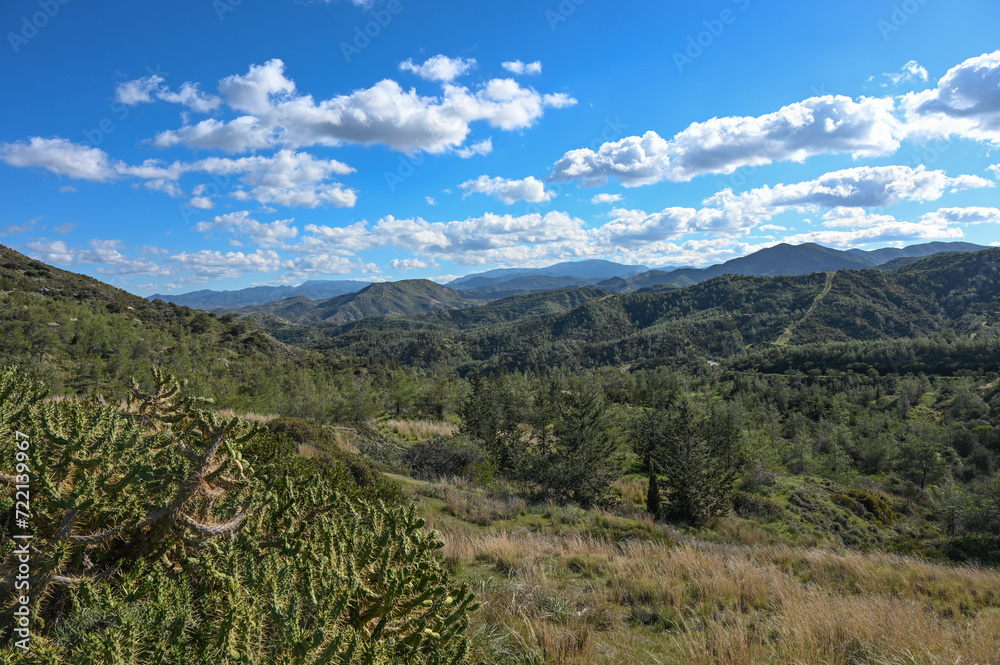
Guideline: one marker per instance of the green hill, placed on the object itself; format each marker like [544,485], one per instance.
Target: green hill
[718,318]
[401,298]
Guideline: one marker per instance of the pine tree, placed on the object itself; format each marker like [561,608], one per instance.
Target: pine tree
[653,493]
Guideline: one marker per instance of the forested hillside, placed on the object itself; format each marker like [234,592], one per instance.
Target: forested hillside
[778,427]
[723,318]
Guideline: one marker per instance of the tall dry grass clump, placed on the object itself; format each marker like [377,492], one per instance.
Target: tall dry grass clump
[419,430]
[574,598]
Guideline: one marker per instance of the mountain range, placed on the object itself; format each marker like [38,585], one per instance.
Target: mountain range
[210,300]
[292,302]
[420,295]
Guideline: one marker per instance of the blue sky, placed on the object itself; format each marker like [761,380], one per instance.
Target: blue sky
[168,147]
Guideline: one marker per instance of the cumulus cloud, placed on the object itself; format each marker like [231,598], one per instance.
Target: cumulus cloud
[518,67]
[965,103]
[911,71]
[858,227]
[860,187]
[632,229]
[108,255]
[968,215]
[240,223]
[286,178]
[205,265]
[60,156]
[439,68]
[606,198]
[412,264]
[526,239]
[530,189]
[16,229]
[275,115]
[883,230]
[150,88]
[483,147]
[201,202]
[819,125]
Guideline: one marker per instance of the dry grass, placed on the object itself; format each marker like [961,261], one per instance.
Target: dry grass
[346,439]
[250,416]
[632,490]
[308,450]
[579,599]
[419,430]
[480,507]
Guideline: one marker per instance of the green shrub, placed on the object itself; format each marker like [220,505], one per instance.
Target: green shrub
[445,456]
[157,542]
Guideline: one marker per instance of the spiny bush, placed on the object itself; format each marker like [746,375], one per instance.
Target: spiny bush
[155,543]
[867,505]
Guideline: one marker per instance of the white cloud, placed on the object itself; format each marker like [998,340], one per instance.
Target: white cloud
[439,68]
[352,238]
[201,202]
[491,239]
[865,228]
[145,90]
[483,147]
[17,229]
[887,231]
[819,125]
[518,67]
[264,234]
[606,198]
[969,215]
[63,229]
[430,200]
[995,170]
[966,102]
[138,91]
[56,252]
[412,264]
[205,265]
[274,115]
[107,255]
[60,156]
[65,189]
[529,189]
[633,229]
[859,187]
[287,178]
[911,71]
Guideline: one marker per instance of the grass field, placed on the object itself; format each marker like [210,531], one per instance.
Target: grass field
[561,585]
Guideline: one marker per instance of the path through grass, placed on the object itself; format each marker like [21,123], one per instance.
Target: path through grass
[787,335]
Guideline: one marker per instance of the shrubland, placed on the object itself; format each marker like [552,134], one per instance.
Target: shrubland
[639,478]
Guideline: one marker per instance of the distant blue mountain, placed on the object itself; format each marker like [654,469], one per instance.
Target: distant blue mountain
[316,289]
[570,273]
